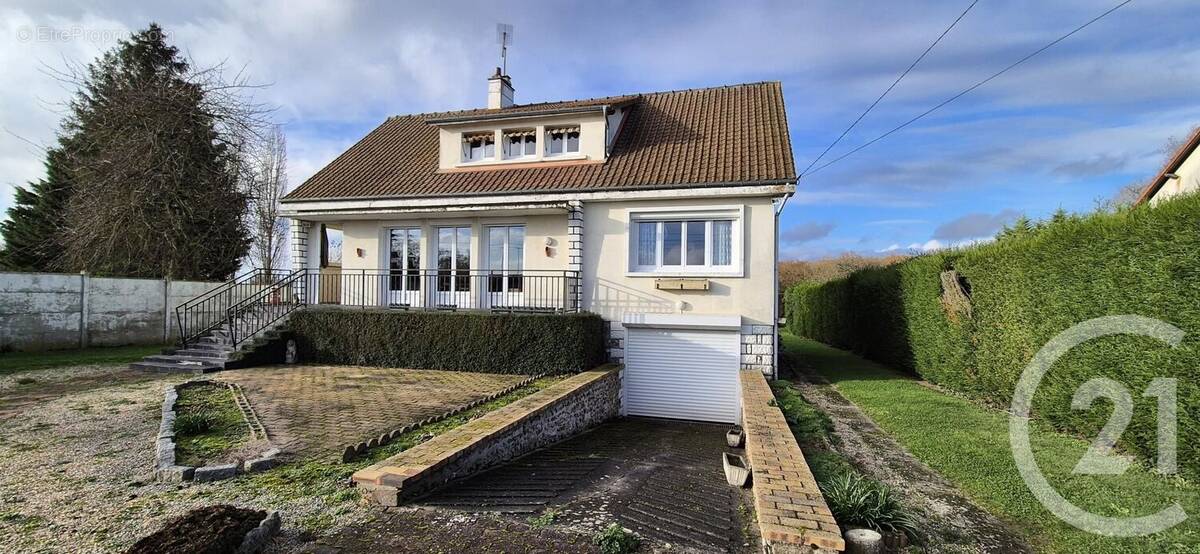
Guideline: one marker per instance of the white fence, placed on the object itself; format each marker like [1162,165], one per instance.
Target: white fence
[44,311]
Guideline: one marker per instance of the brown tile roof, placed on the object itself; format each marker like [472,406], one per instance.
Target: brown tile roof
[1181,155]
[724,135]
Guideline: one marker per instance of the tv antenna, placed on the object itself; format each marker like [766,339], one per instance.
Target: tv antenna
[504,37]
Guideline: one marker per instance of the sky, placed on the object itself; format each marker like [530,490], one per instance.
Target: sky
[1064,130]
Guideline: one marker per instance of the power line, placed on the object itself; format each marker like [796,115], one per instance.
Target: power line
[889,89]
[969,89]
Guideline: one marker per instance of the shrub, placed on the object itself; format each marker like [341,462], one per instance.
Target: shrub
[856,500]
[616,540]
[1023,290]
[528,344]
[195,423]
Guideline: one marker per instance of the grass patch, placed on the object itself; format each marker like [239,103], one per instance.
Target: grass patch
[808,424]
[325,480]
[13,362]
[853,498]
[208,424]
[969,445]
[544,520]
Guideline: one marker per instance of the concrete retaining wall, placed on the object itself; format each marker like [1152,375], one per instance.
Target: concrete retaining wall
[45,311]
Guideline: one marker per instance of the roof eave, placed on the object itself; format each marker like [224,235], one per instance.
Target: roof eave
[517,115]
[786,181]
[1171,166]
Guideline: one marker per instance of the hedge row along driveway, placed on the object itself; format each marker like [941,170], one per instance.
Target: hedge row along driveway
[1023,290]
[525,344]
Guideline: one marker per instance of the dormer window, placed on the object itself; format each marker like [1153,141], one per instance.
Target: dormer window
[520,143]
[562,140]
[478,147]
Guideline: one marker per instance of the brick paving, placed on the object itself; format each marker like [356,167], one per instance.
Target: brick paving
[316,410]
[789,506]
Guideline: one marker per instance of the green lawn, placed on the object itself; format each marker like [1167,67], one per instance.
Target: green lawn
[969,445]
[12,362]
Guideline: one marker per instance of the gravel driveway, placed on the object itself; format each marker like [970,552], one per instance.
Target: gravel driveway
[76,463]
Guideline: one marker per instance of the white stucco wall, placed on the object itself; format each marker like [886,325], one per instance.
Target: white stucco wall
[42,311]
[608,291]
[592,137]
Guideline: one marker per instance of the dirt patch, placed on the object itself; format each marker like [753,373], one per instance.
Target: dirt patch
[19,391]
[211,530]
[947,520]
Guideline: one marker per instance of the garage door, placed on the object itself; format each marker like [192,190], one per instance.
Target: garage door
[682,374]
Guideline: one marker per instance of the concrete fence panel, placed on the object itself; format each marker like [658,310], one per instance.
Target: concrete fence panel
[45,311]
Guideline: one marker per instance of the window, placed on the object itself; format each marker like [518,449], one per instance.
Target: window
[478,146]
[702,243]
[520,144]
[454,259]
[563,140]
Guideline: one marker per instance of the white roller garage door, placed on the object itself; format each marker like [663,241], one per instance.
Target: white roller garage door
[682,373]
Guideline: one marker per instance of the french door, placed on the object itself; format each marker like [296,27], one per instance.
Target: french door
[404,277]
[453,281]
[505,262]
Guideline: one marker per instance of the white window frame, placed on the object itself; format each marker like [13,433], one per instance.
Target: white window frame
[547,141]
[683,214]
[504,147]
[462,142]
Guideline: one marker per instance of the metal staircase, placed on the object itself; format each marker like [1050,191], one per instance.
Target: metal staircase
[222,327]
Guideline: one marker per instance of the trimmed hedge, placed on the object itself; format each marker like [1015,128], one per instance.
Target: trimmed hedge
[526,344]
[1024,290]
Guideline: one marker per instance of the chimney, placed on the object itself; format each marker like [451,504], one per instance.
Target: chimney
[500,91]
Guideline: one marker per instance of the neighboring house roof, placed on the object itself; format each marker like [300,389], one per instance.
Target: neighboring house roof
[1172,165]
[715,136]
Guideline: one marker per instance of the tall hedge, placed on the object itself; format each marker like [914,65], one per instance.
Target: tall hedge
[1023,291]
[527,344]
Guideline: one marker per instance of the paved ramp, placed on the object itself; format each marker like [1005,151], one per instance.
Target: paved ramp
[663,479]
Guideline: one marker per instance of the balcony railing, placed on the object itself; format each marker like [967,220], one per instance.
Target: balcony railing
[431,289]
[528,291]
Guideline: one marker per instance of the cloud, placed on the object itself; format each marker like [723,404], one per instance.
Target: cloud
[806,232]
[1073,123]
[974,225]
[1099,164]
[891,248]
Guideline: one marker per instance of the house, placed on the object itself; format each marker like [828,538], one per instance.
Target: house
[1180,175]
[658,211]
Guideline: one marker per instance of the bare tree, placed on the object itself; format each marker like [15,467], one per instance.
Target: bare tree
[264,184]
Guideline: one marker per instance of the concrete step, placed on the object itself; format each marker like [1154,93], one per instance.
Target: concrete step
[186,360]
[208,347]
[174,367]
[203,353]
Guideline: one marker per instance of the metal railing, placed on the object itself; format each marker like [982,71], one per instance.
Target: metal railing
[200,315]
[529,291]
